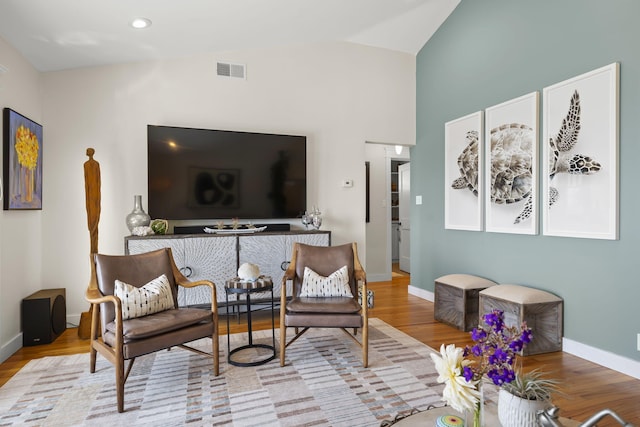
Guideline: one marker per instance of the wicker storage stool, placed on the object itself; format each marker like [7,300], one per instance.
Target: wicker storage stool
[540,309]
[456,299]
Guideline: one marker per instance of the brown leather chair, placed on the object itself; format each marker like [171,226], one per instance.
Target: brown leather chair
[119,340]
[324,312]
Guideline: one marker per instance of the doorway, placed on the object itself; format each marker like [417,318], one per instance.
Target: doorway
[400,224]
[404,223]
[383,207]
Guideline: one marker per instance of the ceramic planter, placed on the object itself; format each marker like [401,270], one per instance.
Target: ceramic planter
[514,411]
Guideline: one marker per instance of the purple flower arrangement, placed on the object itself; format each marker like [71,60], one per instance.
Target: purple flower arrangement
[495,350]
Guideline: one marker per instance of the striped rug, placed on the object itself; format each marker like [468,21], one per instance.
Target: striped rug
[323,384]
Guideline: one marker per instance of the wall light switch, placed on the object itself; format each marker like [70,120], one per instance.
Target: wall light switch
[418,200]
[346,183]
[638,342]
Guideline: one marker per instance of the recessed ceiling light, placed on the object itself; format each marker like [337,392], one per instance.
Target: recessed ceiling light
[140,23]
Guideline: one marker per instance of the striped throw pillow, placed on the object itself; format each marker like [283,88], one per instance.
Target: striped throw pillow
[153,297]
[335,285]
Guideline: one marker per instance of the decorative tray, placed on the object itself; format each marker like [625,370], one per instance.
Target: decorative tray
[240,230]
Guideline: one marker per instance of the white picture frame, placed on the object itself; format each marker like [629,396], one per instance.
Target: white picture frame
[582,205]
[463,201]
[511,166]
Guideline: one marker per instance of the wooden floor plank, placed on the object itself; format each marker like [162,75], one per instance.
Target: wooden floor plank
[588,387]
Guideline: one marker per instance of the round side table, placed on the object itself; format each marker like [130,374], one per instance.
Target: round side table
[240,287]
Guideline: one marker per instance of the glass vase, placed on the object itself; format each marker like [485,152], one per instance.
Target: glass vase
[316,218]
[306,220]
[475,417]
[138,217]
[317,221]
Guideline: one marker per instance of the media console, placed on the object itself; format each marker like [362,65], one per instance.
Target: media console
[216,257]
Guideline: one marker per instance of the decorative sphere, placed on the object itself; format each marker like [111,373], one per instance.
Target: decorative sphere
[248,271]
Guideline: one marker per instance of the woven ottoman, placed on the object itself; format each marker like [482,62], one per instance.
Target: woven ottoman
[540,309]
[456,299]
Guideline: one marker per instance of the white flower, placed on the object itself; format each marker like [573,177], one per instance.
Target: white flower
[142,230]
[458,393]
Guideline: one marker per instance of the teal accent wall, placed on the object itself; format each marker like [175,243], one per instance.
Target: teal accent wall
[488,52]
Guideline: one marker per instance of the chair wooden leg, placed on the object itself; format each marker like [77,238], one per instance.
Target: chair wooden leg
[283,341]
[92,360]
[94,336]
[365,345]
[215,348]
[119,366]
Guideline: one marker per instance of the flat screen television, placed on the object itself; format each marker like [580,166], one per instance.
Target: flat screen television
[205,174]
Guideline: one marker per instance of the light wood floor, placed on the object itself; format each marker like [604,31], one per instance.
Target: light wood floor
[588,387]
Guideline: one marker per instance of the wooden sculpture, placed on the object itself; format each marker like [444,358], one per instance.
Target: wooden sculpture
[92,195]
[92,192]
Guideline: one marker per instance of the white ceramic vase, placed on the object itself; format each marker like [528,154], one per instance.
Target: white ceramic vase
[514,411]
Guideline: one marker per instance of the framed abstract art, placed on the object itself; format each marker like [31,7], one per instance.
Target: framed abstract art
[22,162]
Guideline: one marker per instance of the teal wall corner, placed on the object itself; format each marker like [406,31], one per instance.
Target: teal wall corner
[492,51]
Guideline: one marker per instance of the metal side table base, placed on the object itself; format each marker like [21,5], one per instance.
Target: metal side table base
[236,286]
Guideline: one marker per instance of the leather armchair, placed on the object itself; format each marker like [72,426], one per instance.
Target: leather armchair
[119,340]
[324,312]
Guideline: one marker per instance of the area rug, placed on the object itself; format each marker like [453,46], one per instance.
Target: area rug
[322,384]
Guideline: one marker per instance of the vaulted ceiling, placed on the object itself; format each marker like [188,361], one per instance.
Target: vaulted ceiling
[63,34]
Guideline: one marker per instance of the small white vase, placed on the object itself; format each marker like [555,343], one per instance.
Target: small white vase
[514,411]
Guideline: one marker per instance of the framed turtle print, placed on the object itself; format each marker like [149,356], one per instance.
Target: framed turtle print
[463,173]
[580,156]
[511,164]
[22,162]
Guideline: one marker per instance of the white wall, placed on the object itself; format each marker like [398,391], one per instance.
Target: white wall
[338,94]
[378,266]
[20,231]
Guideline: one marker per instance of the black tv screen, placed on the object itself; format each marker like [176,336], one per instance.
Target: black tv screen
[218,175]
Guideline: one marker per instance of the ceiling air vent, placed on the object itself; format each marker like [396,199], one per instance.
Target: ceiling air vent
[226,69]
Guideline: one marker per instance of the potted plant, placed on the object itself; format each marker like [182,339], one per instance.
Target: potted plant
[493,355]
[520,400]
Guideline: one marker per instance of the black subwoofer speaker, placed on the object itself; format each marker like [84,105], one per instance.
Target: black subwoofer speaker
[44,316]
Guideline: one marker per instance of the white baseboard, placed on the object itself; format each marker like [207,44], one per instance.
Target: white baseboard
[11,347]
[73,320]
[421,293]
[15,344]
[604,358]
